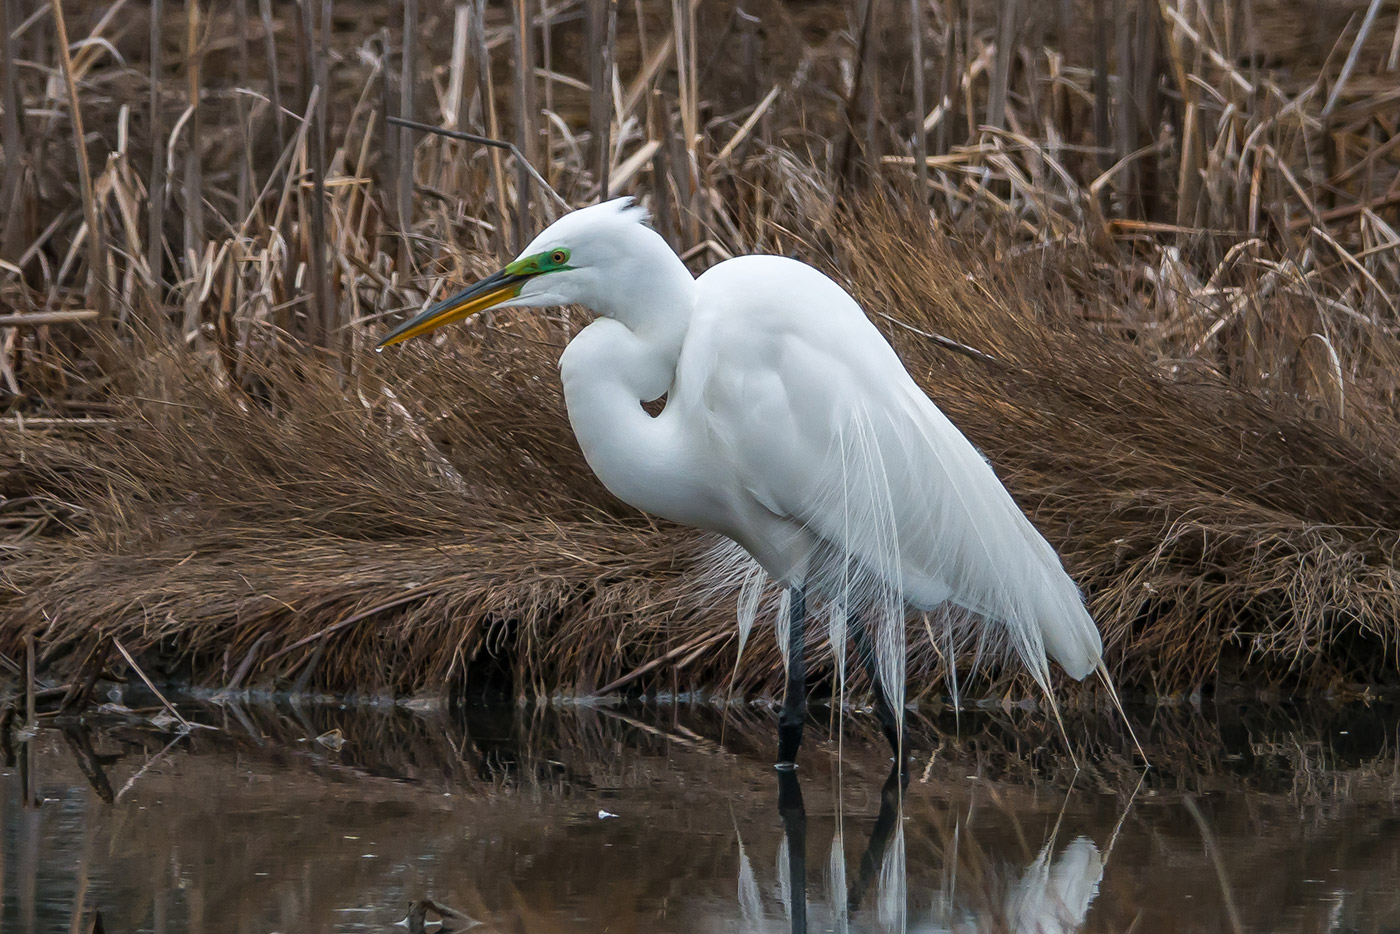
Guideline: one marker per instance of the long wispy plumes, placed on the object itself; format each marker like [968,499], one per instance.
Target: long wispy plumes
[856,574]
[893,900]
[994,563]
[1053,895]
[782,625]
[724,564]
[836,881]
[750,901]
[958,545]
[885,601]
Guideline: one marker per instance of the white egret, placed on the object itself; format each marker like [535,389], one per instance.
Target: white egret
[791,427]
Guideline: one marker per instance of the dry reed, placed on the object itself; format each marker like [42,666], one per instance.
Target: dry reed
[1176,256]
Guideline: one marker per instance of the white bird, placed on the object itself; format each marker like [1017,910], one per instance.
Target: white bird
[791,427]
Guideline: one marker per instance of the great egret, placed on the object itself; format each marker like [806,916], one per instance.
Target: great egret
[1051,896]
[791,427]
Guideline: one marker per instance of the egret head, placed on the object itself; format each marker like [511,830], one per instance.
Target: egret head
[578,259]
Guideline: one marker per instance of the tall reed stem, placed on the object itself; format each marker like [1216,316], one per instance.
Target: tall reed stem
[916,26]
[98,289]
[11,134]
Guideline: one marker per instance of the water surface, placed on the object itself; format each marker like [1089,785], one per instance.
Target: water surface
[669,819]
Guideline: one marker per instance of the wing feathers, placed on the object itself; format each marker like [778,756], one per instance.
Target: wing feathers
[823,425]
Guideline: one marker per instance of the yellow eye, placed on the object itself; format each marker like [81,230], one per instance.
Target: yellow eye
[559,257]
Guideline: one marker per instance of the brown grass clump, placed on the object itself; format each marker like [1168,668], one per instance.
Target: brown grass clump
[1223,536]
[396,532]
[1169,234]
[450,515]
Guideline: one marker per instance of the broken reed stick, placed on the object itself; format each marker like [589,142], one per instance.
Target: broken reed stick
[547,65]
[79,693]
[484,141]
[747,126]
[1125,117]
[406,597]
[454,113]
[247,664]
[154,690]
[947,84]
[1367,22]
[947,343]
[12,214]
[37,318]
[693,645]
[685,163]
[490,124]
[19,422]
[245,156]
[1001,72]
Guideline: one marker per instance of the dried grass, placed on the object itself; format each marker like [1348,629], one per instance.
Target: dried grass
[400,531]
[1178,248]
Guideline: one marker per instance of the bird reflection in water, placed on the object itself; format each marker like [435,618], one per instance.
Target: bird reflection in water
[1052,895]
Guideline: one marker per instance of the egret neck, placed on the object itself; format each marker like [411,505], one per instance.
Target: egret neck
[624,358]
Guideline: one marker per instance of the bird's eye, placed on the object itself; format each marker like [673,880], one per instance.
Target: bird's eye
[559,257]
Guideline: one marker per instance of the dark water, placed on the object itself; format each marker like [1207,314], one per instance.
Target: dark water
[670,819]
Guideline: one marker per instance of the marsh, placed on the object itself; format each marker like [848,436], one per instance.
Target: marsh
[665,818]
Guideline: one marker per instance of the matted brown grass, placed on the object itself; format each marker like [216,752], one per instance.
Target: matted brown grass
[1171,228]
[432,516]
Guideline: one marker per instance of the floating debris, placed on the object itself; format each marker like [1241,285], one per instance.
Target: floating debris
[332,739]
[448,919]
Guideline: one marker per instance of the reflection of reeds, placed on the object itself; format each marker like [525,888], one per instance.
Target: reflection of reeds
[493,811]
[1179,230]
[1322,757]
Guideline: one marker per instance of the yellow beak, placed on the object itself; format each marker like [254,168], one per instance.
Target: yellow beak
[491,291]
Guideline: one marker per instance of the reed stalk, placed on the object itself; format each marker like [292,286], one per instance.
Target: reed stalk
[11,134]
[916,26]
[1173,239]
[525,117]
[98,289]
[408,76]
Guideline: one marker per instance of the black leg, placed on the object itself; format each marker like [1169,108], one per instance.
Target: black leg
[885,823]
[865,649]
[794,712]
[794,817]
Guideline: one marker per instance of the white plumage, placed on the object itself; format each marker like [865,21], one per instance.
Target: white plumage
[790,426]
[811,413]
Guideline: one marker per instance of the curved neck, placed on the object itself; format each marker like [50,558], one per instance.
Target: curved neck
[652,294]
[617,363]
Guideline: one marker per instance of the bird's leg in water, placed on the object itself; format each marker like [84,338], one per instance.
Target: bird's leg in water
[794,711]
[794,816]
[885,823]
[865,649]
